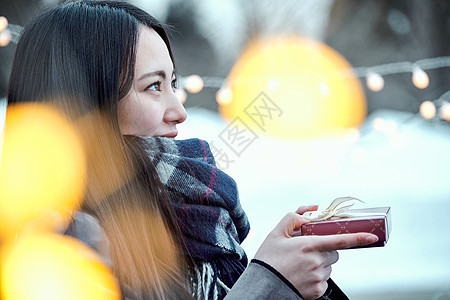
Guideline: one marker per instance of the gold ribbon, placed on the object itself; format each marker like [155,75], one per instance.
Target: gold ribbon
[338,209]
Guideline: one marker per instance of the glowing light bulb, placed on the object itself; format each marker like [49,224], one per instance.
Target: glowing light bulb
[224,96]
[444,111]
[420,78]
[181,94]
[427,110]
[374,82]
[378,124]
[5,38]
[3,23]
[193,84]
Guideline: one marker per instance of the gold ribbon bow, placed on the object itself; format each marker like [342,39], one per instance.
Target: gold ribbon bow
[336,209]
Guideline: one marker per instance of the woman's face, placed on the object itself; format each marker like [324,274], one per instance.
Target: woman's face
[151,108]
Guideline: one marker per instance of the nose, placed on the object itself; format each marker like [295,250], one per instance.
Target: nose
[175,112]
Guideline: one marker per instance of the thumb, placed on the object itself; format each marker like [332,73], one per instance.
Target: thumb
[302,209]
[289,223]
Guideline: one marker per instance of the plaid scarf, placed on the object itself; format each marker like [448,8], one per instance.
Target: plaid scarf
[208,210]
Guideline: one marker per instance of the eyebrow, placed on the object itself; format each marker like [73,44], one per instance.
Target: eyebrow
[160,73]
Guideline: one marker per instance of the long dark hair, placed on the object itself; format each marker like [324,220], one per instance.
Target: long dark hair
[80,57]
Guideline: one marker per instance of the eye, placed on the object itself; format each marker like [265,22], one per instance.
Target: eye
[156,86]
[174,83]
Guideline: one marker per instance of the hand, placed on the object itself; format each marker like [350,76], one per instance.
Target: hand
[306,260]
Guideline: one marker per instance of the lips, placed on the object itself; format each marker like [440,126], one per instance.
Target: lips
[170,135]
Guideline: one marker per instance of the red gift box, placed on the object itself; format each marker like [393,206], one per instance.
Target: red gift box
[378,224]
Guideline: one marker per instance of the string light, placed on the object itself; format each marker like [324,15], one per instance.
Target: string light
[224,96]
[5,37]
[374,74]
[420,78]
[193,84]
[374,82]
[402,67]
[378,124]
[5,34]
[427,110]
[444,111]
[3,23]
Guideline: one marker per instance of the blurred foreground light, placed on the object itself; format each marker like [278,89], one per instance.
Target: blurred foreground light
[42,168]
[193,84]
[374,82]
[54,267]
[109,166]
[294,88]
[444,111]
[181,94]
[420,78]
[427,110]
[224,96]
[3,23]
[5,38]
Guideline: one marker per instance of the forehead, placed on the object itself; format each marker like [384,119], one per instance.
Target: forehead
[152,53]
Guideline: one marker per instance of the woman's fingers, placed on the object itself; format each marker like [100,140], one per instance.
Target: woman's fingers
[315,291]
[290,223]
[327,273]
[343,241]
[302,209]
[330,257]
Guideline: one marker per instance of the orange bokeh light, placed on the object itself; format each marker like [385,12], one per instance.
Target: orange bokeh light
[427,110]
[42,168]
[193,84]
[53,267]
[304,79]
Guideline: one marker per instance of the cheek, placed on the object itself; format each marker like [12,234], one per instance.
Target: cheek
[146,125]
[149,119]
[139,119]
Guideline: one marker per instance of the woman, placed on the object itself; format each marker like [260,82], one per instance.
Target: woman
[109,66]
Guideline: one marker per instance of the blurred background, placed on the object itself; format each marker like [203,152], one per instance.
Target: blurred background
[304,101]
